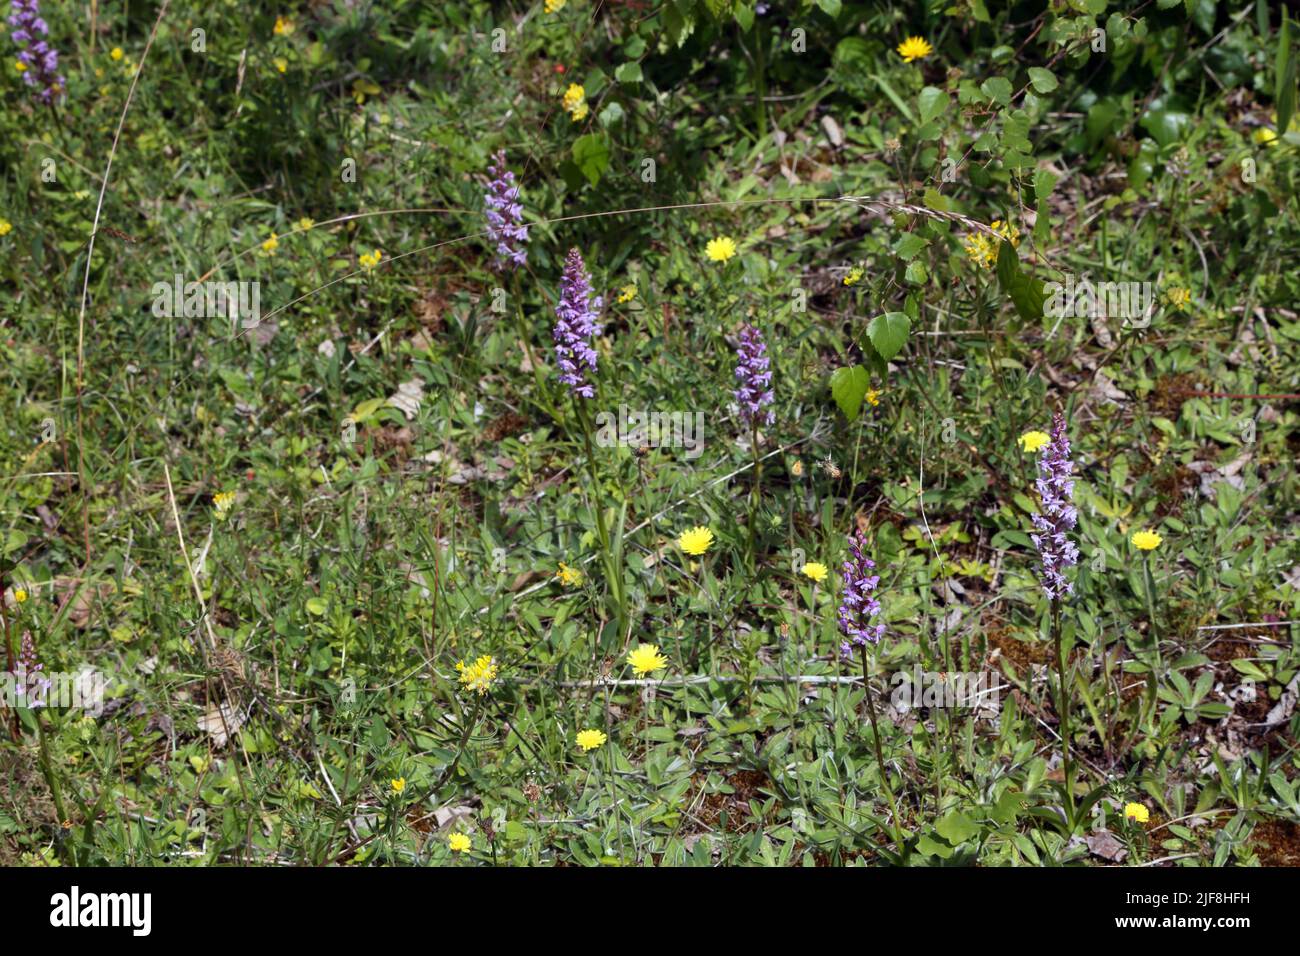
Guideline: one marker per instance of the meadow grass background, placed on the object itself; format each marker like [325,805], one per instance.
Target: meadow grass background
[408,474]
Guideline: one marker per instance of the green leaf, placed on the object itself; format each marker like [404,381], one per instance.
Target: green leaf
[830,7]
[1284,94]
[628,72]
[957,828]
[591,156]
[849,388]
[1025,293]
[1166,126]
[1043,81]
[1044,182]
[933,103]
[933,847]
[998,89]
[908,245]
[894,98]
[888,333]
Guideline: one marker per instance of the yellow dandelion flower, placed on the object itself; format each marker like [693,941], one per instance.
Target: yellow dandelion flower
[270,245]
[281,63]
[575,102]
[591,739]
[627,293]
[815,570]
[398,785]
[720,249]
[645,659]
[459,843]
[116,53]
[223,501]
[20,66]
[5,227]
[695,540]
[554,6]
[283,26]
[855,275]
[1136,811]
[1032,440]
[1146,540]
[479,675]
[20,596]
[914,48]
[569,577]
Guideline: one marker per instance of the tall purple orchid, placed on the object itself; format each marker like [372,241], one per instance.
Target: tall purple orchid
[30,684]
[41,61]
[1058,517]
[505,214]
[859,606]
[575,326]
[753,373]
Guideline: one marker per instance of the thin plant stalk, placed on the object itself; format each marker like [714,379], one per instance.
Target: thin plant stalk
[880,757]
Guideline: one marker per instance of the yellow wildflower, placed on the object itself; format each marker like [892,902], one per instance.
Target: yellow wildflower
[459,843]
[645,658]
[720,249]
[1031,441]
[281,63]
[479,675]
[283,27]
[554,6]
[873,397]
[270,245]
[591,739]
[1147,540]
[980,250]
[914,48]
[696,540]
[1006,231]
[116,53]
[20,596]
[855,275]
[223,501]
[569,577]
[1178,297]
[575,102]
[815,570]
[5,227]
[1136,811]
[371,259]
[398,785]
[20,66]
[306,223]
[627,293]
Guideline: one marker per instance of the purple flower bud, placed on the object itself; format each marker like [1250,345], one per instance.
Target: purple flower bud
[858,605]
[1056,489]
[505,214]
[41,60]
[754,376]
[575,326]
[30,684]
